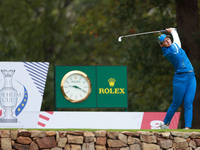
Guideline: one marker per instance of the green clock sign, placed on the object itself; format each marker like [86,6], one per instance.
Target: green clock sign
[91,87]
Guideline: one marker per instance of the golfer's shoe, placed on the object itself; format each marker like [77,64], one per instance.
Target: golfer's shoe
[163,126]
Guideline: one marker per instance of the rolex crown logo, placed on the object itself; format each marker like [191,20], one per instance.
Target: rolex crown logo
[111,82]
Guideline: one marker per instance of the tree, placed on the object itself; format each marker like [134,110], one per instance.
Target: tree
[188,25]
[85,32]
[35,31]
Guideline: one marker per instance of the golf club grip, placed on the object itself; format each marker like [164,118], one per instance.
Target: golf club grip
[163,31]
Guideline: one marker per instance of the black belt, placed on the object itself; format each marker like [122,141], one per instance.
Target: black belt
[183,72]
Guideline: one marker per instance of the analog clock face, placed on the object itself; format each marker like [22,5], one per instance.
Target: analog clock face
[76,86]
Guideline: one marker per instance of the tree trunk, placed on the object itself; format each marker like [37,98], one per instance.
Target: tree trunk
[188,28]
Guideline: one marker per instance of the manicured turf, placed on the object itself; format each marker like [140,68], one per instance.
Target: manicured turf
[116,130]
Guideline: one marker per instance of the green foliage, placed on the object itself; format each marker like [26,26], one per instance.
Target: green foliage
[149,75]
[34,31]
[85,32]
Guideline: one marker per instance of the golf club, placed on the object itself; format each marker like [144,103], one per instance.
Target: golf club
[120,38]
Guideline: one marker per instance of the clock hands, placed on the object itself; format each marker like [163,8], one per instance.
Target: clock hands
[77,88]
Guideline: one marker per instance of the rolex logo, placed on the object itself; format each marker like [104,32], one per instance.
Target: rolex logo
[111,82]
[111,90]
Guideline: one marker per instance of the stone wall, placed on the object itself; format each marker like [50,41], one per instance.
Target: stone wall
[99,140]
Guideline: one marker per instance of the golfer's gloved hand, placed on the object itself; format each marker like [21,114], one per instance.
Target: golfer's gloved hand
[170,29]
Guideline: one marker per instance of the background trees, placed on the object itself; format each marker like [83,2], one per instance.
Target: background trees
[188,25]
[85,32]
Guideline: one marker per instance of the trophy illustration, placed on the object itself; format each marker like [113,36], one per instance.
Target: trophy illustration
[8,97]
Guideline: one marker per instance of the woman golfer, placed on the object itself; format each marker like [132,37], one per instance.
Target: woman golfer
[184,81]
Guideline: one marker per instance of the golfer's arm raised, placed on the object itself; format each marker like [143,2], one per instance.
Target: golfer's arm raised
[174,35]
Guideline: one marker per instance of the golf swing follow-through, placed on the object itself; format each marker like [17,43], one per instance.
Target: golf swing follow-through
[184,80]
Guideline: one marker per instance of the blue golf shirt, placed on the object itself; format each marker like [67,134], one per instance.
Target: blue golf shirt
[177,56]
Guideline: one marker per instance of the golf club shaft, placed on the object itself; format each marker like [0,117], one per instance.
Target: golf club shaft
[141,34]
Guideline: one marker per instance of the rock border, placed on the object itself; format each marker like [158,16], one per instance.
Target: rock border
[98,140]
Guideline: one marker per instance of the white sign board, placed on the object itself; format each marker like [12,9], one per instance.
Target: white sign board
[22,86]
[104,120]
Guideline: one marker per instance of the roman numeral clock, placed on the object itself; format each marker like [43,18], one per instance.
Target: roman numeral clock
[75,86]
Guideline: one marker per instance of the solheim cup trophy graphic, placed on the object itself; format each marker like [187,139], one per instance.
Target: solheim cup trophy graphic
[8,97]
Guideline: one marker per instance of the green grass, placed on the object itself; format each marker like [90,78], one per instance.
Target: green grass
[116,130]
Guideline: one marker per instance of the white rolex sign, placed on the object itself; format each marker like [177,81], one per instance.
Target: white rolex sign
[22,86]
